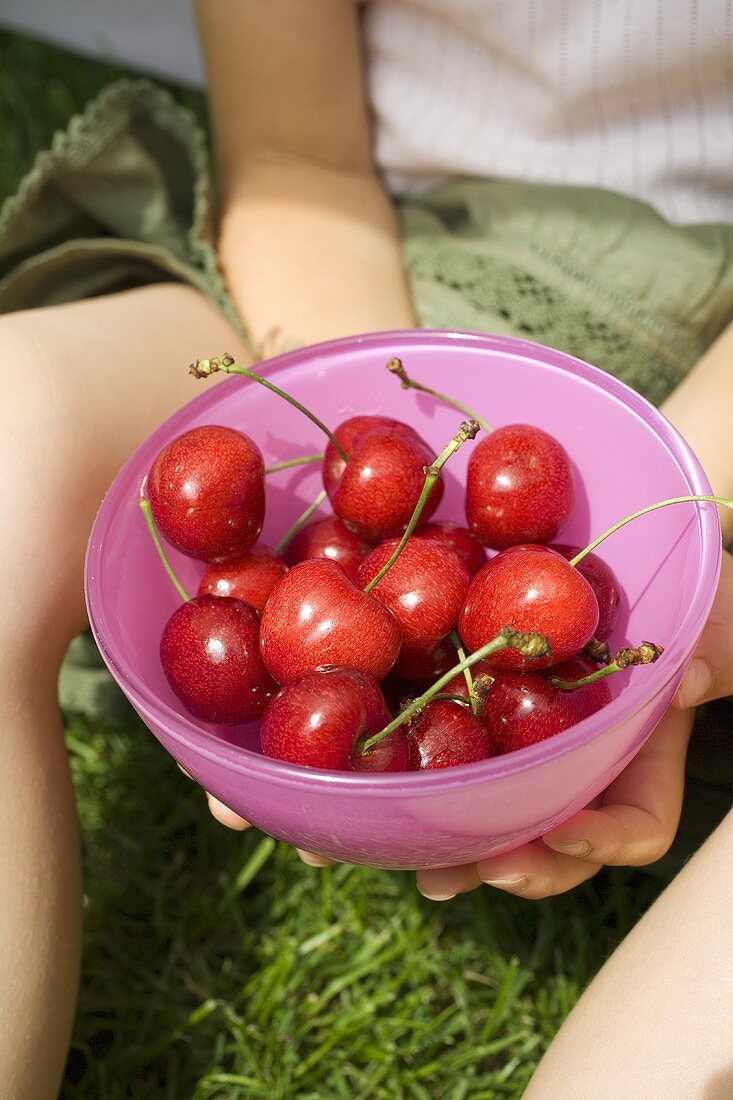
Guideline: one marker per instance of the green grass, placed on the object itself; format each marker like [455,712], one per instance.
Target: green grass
[216,964]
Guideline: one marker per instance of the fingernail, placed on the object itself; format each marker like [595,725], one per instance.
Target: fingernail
[313,860]
[579,848]
[434,895]
[696,683]
[508,882]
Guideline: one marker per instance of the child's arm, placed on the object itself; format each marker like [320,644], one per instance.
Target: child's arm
[308,236]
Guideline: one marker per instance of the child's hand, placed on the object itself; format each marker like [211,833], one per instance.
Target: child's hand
[635,820]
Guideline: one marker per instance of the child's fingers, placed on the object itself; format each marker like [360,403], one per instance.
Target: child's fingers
[314,860]
[532,871]
[710,673]
[226,816]
[641,809]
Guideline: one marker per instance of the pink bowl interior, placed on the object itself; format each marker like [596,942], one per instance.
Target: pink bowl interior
[626,456]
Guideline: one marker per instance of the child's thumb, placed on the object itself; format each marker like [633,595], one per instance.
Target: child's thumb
[699,684]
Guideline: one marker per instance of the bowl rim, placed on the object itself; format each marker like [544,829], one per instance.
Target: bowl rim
[191,736]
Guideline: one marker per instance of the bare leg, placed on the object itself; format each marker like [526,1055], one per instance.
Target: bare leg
[656,1021]
[82,385]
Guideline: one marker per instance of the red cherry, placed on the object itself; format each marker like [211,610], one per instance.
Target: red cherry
[211,658]
[250,577]
[348,433]
[318,720]
[207,492]
[447,734]
[519,487]
[535,589]
[459,540]
[392,754]
[328,538]
[378,488]
[522,708]
[603,581]
[424,590]
[317,616]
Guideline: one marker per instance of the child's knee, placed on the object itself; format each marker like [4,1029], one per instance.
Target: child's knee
[40,540]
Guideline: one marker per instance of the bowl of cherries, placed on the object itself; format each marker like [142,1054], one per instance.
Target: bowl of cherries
[407,599]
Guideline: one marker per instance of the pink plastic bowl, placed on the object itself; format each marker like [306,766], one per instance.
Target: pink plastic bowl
[626,454]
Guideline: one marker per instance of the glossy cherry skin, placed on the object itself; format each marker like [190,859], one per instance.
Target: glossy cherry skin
[348,433]
[446,734]
[424,590]
[535,589]
[318,721]
[377,489]
[317,616]
[603,581]
[519,487]
[523,708]
[459,540]
[328,538]
[250,577]
[392,754]
[211,658]
[207,492]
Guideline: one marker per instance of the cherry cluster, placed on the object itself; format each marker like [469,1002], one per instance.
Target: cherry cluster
[375,639]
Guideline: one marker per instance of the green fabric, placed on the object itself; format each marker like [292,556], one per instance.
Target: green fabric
[123,198]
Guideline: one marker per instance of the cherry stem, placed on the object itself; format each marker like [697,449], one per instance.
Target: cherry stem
[645,654]
[396,366]
[302,461]
[202,368]
[147,511]
[530,645]
[460,651]
[723,501]
[300,522]
[448,696]
[467,430]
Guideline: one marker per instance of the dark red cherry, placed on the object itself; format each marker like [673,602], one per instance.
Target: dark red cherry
[250,577]
[377,489]
[392,754]
[318,720]
[459,540]
[211,658]
[317,616]
[207,492]
[603,581]
[424,590]
[519,487]
[426,666]
[523,707]
[328,538]
[535,589]
[446,734]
